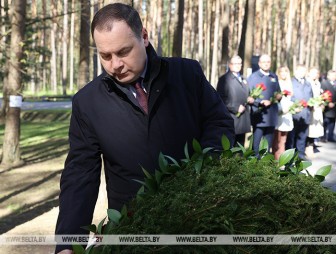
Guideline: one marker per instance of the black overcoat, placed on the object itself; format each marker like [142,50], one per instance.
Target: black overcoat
[234,93]
[329,112]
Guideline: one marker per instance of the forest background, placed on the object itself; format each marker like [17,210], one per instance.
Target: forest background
[46,47]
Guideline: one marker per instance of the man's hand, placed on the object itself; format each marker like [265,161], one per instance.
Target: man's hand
[265,103]
[66,252]
[331,105]
[250,100]
[241,108]
[278,96]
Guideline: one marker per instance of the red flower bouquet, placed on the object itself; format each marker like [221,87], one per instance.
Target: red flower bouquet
[297,106]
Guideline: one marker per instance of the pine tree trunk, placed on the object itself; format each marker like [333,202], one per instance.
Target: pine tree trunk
[84,52]
[246,41]
[72,33]
[214,65]
[11,143]
[53,62]
[200,33]
[178,31]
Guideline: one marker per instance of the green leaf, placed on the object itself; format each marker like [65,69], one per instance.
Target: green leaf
[92,228]
[263,145]
[242,148]
[267,157]
[78,249]
[141,182]
[286,157]
[206,150]
[251,142]
[306,164]
[225,143]
[248,153]
[151,185]
[198,166]
[141,191]
[324,171]
[173,160]
[158,176]
[227,154]
[319,178]
[147,174]
[162,162]
[114,215]
[100,226]
[108,227]
[196,145]
[235,149]
[186,151]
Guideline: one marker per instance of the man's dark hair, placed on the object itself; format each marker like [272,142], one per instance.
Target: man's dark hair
[104,18]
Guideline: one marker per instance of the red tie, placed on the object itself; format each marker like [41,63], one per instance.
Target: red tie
[141,96]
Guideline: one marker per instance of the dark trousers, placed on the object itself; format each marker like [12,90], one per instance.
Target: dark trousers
[240,138]
[329,126]
[297,138]
[258,133]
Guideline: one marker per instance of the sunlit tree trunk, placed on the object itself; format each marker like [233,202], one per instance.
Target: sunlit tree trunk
[11,142]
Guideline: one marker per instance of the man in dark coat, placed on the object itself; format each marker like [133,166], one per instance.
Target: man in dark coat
[302,91]
[264,112]
[111,121]
[234,91]
[329,113]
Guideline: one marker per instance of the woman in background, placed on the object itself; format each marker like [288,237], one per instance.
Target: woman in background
[316,129]
[285,119]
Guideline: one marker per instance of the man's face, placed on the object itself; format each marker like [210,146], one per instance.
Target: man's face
[265,63]
[332,76]
[235,65]
[300,72]
[121,53]
[314,74]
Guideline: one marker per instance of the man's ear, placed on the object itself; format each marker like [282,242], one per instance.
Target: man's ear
[144,35]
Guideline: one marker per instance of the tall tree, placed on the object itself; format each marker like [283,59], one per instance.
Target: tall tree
[178,30]
[200,32]
[11,148]
[65,48]
[246,39]
[84,51]
[214,65]
[5,23]
[53,35]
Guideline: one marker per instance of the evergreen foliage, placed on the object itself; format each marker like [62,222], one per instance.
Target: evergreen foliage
[230,195]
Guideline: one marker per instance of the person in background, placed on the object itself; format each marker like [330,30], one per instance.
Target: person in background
[285,118]
[302,91]
[140,106]
[329,114]
[315,130]
[233,89]
[264,113]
